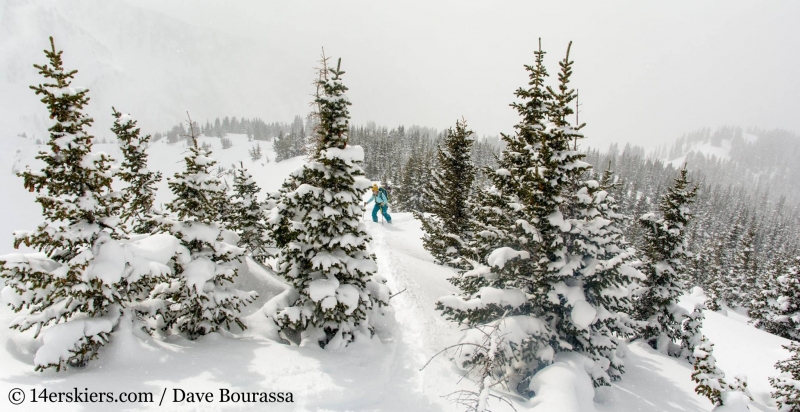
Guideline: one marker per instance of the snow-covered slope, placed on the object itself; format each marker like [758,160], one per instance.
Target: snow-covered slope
[382,374]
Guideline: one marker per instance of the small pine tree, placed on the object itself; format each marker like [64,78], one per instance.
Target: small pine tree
[691,336]
[255,153]
[81,212]
[248,215]
[323,245]
[140,194]
[664,263]
[283,147]
[709,378]
[200,297]
[448,191]
[787,384]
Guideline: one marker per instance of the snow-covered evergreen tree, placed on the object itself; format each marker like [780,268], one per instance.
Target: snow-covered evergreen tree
[776,307]
[691,335]
[502,219]
[446,225]
[141,191]
[787,384]
[711,381]
[708,266]
[248,215]
[199,298]
[76,283]
[323,243]
[548,245]
[665,257]
[255,153]
[282,147]
[608,270]
[744,271]
[709,378]
[762,305]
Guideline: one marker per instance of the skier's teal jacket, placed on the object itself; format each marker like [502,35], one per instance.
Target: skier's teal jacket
[380,198]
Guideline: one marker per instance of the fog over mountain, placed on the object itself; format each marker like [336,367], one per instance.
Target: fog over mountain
[140,61]
[647,73]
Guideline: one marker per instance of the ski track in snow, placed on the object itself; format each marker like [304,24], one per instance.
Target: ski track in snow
[417,335]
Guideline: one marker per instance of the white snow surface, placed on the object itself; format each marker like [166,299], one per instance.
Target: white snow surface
[382,373]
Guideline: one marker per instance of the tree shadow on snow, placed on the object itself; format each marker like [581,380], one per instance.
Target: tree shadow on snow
[652,382]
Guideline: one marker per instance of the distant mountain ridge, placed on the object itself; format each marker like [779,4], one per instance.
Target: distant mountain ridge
[763,160]
[149,64]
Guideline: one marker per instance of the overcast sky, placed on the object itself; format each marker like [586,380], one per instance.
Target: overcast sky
[647,71]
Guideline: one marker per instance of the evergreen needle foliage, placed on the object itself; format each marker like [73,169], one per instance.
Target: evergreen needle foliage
[317,225]
[199,297]
[547,246]
[787,384]
[81,214]
[446,226]
[710,379]
[665,257]
[248,215]
[140,194]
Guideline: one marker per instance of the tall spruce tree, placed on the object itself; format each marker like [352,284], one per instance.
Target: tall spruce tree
[446,227]
[548,248]
[140,194]
[75,285]
[323,243]
[200,298]
[665,257]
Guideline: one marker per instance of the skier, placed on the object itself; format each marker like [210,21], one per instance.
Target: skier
[381,199]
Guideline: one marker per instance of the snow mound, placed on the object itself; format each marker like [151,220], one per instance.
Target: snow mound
[564,386]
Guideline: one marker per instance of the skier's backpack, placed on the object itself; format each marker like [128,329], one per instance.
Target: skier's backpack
[385,193]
